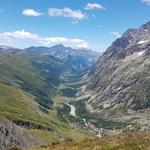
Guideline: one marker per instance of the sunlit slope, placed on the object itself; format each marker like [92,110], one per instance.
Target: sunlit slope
[37,75]
[130,141]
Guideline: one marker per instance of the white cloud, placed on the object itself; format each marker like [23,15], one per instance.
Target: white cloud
[57,40]
[9,37]
[91,6]
[115,34]
[20,35]
[146,1]
[31,12]
[67,13]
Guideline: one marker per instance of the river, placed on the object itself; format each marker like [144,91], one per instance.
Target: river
[73,110]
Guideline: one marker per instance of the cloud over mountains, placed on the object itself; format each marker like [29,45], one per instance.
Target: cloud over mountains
[9,37]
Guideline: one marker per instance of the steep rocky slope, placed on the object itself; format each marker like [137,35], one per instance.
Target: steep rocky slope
[12,136]
[120,81]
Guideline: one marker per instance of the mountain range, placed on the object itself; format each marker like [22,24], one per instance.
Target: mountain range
[77,60]
[55,94]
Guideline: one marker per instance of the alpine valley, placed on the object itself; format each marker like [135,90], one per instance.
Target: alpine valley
[63,98]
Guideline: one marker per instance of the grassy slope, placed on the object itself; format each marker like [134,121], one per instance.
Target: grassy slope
[37,75]
[12,70]
[16,104]
[24,85]
[130,141]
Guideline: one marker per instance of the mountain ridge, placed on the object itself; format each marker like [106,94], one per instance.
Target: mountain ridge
[78,60]
[119,82]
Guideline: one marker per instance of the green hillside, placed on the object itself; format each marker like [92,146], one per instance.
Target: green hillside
[37,75]
[21,107]
[28,85]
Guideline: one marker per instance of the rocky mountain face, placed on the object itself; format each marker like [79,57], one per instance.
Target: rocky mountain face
[12,136]
[76,60]
[120,81]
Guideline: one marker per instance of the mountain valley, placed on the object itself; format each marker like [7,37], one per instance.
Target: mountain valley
[60,95]
[35,92]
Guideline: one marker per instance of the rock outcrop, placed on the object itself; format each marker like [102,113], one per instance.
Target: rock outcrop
[13,136]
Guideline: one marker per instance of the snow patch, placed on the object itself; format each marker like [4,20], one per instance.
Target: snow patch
[141,53]
[142,41]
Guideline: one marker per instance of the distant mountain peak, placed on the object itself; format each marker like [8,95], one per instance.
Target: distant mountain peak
[59,46]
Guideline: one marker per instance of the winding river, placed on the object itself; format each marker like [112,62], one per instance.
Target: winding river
[73,110]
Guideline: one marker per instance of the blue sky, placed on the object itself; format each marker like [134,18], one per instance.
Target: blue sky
[78,23]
